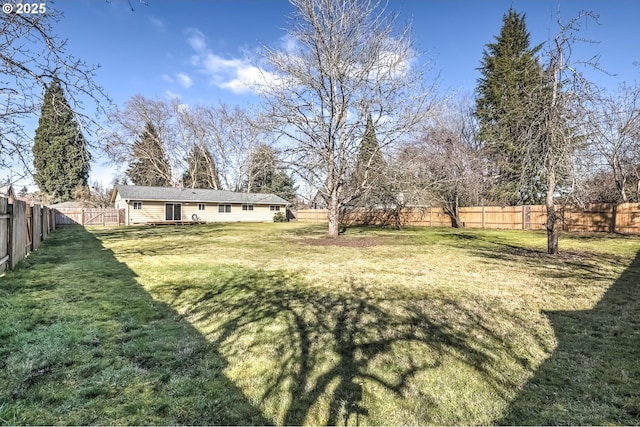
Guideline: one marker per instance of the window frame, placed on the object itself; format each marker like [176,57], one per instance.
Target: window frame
[174,206]
[224,208]
[248,207]
[274,208]
[137,206]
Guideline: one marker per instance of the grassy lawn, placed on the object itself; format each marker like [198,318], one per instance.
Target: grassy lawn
[274,324]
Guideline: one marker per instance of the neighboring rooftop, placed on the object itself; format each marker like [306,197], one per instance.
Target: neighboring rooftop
[142,193]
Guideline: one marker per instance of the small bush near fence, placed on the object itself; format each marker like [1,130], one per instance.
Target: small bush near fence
[279,217]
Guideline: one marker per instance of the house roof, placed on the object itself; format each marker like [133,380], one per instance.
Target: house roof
[6,190]
[172,194]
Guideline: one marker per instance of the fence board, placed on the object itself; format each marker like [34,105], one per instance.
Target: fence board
[4,234]
[623,218]
[89,216]
[22,228]
[36,226]
[18,237]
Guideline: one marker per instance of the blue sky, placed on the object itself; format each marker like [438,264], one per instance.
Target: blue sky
[201,50]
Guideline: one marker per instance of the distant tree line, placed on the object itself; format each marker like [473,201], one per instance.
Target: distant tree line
[351,120]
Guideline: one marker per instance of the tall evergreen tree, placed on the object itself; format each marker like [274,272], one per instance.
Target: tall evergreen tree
[262,166]
[201,169]
[371,165]
[151,166]
[511,76]
[60,154]
[266,176]
[369,181]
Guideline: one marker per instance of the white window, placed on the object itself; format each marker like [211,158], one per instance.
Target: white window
[201,206]
[137,206]
[275,208]
[224,208]
[247,207]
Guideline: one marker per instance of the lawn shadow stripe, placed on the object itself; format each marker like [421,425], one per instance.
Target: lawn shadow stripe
[103,350]
[593,375]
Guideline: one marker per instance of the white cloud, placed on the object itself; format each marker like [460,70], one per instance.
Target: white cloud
[289,43]
[236,74]
[196,40]
[158,24]
[172,95]
[184,80]
[167,78]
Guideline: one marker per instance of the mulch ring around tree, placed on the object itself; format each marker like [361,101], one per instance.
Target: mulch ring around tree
[346,241]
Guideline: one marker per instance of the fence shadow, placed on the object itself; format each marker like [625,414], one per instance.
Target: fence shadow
[83,343]
[593,375]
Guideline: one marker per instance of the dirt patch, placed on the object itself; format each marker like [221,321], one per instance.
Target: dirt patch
[345,242]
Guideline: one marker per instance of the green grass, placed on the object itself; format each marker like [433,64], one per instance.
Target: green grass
[274,324]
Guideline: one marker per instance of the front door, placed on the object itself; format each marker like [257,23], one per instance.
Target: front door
[173,212]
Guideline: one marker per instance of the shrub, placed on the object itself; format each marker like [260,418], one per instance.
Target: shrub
[279,217]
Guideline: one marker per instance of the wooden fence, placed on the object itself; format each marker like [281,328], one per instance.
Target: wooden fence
[622,218]
[90,216]
[22,228]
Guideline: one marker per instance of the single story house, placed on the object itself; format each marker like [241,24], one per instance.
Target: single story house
[145,205]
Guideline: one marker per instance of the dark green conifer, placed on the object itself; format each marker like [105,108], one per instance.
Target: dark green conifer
[201,169]
[151,166]
[511,76]
[60,155]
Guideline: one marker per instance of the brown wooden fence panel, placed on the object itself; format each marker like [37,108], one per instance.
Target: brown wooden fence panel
[312,215]
[19,241]
[36,226]
[594,217]
[628,218]
[623,218]
[45,221]
[22,229]
[89,216]
[4,233]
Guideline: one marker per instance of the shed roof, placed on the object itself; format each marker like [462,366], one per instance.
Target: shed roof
[172,194]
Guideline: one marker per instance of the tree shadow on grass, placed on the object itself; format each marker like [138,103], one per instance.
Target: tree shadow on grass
[325,356]
[81,342]
[593,375]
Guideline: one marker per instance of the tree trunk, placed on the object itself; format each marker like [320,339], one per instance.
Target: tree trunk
[334,217]
[552,217]
[619,177]
[454,214]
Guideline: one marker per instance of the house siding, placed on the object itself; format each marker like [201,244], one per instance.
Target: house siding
[154,210]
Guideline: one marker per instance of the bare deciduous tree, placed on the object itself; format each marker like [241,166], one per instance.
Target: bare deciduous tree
[343,62]
[613,127]
[30,57]
[551,138]
[443,167]
[223,136]
[233,135]
[128,125]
